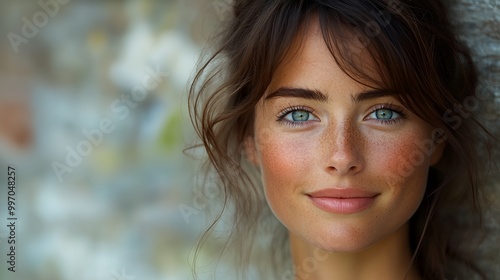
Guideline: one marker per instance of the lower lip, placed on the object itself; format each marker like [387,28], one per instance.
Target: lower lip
[343,205]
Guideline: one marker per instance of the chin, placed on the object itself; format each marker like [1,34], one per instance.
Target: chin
[344,239]
[350,239]
[345,245]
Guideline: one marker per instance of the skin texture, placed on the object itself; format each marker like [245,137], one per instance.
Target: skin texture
[341,144]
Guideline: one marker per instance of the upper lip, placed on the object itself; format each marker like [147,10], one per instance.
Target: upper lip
[343,193]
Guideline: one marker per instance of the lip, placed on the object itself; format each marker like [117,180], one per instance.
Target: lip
[343,200]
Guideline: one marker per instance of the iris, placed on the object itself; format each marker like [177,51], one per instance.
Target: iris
[300,116]
[384,114]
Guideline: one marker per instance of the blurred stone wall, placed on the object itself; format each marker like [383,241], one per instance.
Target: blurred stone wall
[478,24]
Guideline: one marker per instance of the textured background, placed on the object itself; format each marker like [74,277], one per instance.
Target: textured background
[478,24]
[115,216]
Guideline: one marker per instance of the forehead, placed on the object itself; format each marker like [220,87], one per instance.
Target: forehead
[311,61]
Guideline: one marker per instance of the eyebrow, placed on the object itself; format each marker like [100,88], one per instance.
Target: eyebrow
[298,93]
[370,94]
[319,96]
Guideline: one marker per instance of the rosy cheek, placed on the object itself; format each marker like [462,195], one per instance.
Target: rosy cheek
[405,159]
[402,167]
[283,157]
[286,162]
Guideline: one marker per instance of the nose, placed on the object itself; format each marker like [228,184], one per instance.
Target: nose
[344,146]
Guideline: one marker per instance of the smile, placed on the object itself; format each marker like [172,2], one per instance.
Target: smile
[343,201]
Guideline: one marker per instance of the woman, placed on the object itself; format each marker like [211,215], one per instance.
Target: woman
[352,121]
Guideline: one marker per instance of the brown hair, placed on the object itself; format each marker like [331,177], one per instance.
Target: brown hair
[417,57]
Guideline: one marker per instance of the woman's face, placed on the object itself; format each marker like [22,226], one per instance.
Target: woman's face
[342,166]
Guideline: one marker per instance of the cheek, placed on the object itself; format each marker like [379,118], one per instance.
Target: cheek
[282,158]
[404,159]
[403,168]
[286,164]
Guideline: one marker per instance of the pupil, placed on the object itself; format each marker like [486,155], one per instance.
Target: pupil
[300,115]
[384,114]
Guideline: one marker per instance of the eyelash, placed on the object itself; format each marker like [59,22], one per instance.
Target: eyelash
[393,108]
[281,115]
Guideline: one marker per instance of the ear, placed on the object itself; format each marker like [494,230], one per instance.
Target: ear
[438,152]
[250,148]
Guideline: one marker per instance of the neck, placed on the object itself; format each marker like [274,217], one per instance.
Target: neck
[386,260]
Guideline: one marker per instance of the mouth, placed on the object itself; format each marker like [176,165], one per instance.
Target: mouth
[343,201]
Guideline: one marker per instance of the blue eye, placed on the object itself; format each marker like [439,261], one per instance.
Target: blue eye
[298,116]
[386,115]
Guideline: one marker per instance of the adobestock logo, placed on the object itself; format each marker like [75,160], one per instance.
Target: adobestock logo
[223,8]
[307,267]
[120,109]
[123,275]
[30,27]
